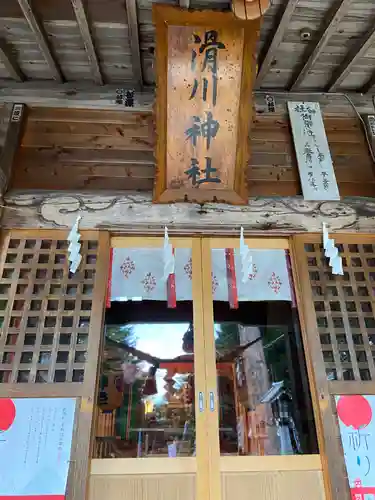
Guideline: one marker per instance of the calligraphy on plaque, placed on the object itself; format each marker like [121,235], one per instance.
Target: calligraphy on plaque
[203,105]
[314,160]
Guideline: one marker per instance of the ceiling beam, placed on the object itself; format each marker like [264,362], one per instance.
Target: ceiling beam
[88,42]
[369,84]
[10,63]
[184,4]
[41,37]
[330,26]
[276,40]
[358,51]
[71,95]
[131,11]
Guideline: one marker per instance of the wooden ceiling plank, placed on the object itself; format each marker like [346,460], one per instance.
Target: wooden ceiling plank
[88,42]
[41,37]
[276,40]
[358,51]
[131,10]
[10,63]
[342,7]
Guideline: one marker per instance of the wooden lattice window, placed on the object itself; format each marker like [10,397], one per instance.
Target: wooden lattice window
[344,309]
[45,311]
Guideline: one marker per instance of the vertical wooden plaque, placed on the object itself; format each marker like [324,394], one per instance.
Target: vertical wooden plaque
[205,68]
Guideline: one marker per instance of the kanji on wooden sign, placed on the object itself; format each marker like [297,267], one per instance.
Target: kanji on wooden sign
[205,67]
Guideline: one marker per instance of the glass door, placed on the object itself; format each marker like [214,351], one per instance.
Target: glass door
[152,396]
[256,378]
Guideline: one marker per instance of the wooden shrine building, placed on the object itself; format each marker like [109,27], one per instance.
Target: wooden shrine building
[187,251]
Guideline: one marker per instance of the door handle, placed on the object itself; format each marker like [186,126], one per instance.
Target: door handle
[212,401]
[201,402]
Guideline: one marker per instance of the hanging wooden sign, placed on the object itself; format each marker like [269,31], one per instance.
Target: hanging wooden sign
[205,67]
[314,160]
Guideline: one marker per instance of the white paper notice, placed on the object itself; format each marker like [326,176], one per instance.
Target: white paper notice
[35,445]
[313,155]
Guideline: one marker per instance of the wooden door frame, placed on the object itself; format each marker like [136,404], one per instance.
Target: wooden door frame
[218,463]
[179,465]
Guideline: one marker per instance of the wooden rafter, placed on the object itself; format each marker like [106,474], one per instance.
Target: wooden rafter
[41,37]
[276,40]
[330,27]
[369,84]
[10,63]
[84,28]
[131,10]
[354,55]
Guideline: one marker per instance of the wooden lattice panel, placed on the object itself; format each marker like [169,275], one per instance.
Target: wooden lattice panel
[45,311]
[344,310]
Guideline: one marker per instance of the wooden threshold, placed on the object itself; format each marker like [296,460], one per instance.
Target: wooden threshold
[142,466]
[187,465]
[270,463]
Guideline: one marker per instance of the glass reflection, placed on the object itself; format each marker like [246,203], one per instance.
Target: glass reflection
[146,396]
[259,407]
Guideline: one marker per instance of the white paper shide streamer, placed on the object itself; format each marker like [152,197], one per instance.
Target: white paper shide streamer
[168,256]
[331,252]
[246,258]
[74,249]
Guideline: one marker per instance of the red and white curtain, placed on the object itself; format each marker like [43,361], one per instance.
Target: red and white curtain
[268,279]
[138,274]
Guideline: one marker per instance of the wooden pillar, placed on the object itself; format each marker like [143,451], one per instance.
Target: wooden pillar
[17,120]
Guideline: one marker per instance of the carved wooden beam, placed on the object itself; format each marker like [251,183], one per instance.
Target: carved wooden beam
[249,10]
[72,95]
[135,213]
[80,95]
